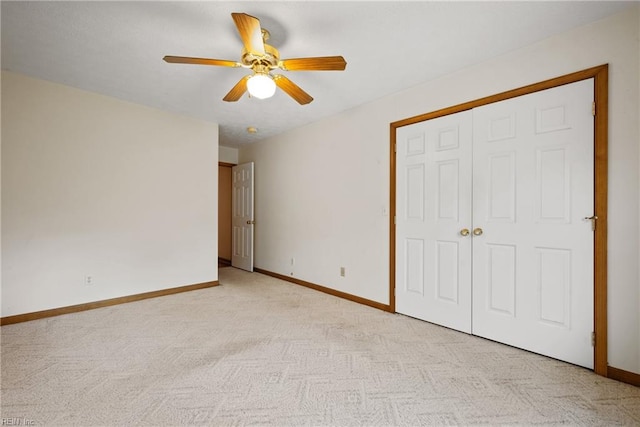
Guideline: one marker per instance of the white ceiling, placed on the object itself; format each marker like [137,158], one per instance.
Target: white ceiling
[116,49]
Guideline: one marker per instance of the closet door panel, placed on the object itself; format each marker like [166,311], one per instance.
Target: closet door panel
[433,203]
[533,187]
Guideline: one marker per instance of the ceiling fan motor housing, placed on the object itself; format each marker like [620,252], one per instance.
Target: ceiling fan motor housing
[270,58]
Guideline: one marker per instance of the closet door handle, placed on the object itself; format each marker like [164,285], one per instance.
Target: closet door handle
[477,231]
[464,232]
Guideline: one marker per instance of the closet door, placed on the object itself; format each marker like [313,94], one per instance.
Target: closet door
[433,206]
[533,248]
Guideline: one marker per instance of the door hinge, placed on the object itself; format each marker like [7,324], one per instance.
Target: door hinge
[593,108]
[593,220]
[593,339]
[395,147]
[394,220]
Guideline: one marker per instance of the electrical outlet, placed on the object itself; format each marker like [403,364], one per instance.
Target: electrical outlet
[342,271]
[88,280]
[293,261]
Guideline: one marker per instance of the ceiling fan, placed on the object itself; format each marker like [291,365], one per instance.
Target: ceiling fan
[262,58]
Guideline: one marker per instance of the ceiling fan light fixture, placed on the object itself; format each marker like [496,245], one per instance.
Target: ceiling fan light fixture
[261,86]
[262,59]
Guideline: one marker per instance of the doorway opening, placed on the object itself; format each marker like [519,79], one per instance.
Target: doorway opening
[224,214]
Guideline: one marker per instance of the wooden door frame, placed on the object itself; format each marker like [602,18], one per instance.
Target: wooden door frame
[600,74]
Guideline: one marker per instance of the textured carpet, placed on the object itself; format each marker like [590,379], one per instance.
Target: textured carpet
[259,351]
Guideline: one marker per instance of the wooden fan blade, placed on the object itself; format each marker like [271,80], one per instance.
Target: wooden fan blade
[250,32]
[292,89]
[200,61]
[237,91]
[321,63]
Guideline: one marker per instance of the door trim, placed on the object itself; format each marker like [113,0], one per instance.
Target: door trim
[600,74]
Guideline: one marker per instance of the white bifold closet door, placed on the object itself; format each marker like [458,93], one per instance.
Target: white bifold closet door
[518,176]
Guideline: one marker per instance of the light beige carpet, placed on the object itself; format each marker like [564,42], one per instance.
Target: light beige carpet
[259,351]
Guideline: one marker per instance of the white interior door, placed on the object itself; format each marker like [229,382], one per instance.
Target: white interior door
[433,205]
[519,175]
[242,221]
[533,187]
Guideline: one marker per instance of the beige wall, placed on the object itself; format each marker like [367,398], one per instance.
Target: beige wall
[92,185]
[228,155]
[322,191]
[638,133]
